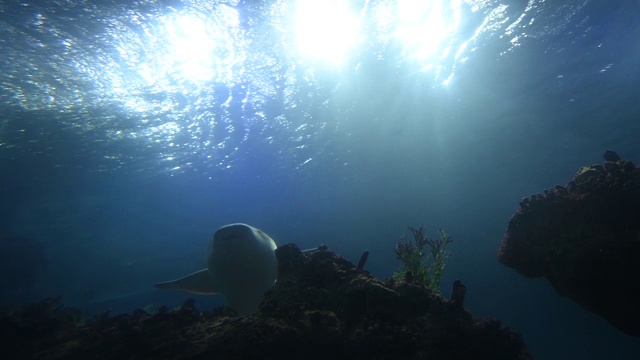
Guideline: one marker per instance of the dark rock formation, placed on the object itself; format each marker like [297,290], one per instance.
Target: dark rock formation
[585,239]
[322,307]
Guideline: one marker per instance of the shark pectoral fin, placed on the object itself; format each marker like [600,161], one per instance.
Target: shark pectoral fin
[200,282]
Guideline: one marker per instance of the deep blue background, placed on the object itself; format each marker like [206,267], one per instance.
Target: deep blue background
[97,221]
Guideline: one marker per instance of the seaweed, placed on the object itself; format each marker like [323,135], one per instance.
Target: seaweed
[425,268]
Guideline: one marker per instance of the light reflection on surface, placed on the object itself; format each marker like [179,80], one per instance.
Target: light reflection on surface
[192,84]
[178,52]
[197,48]
[326,29]
[425,26]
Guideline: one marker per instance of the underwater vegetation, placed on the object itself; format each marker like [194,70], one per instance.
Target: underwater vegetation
[425,268]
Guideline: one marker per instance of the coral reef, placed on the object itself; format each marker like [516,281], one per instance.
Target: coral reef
[585,239]
[321,307]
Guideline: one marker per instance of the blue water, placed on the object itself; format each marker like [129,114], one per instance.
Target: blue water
[129,132]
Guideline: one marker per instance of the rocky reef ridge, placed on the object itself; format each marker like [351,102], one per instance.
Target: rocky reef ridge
[321,307]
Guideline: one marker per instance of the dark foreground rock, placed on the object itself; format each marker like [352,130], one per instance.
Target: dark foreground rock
[322,307]
[585,239]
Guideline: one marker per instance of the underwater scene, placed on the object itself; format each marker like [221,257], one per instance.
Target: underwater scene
[320,179]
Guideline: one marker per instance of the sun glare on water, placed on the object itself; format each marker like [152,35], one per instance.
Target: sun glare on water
[182,50]
[331,31]
[326,29]
[192,47]
[424,27]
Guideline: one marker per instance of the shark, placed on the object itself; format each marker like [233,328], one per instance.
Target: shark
[241,265]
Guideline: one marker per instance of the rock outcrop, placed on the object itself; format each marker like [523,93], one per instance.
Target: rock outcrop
[585,239]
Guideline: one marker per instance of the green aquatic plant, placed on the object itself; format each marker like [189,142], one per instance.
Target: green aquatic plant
[149,309]
[419,266]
